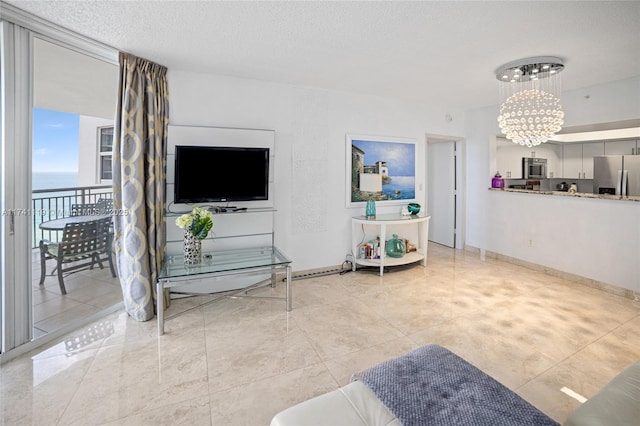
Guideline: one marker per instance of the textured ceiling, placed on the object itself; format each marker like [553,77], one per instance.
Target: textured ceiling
[444,52]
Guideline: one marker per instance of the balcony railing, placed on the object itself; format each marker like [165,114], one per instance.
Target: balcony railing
[50,204]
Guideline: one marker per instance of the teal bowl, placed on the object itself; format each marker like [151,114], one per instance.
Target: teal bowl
[414,208]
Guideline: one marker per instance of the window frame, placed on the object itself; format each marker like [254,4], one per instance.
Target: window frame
[102,154]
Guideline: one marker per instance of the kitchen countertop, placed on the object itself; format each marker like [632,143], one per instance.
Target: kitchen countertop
[568,194]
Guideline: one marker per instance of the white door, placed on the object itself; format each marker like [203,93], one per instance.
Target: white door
[441,192]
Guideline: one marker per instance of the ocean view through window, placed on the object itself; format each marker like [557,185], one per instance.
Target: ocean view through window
[61,148]
[53,180]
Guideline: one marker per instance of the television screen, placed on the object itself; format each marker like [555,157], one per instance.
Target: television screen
[214,173]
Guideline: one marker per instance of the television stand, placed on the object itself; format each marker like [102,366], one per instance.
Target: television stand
[223,264]
[232,230]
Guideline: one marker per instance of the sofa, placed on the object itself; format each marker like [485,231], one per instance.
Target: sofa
[432,386]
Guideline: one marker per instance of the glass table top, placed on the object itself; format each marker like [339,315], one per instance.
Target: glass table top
[224,261]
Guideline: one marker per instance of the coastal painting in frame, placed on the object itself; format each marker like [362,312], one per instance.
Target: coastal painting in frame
[380,168]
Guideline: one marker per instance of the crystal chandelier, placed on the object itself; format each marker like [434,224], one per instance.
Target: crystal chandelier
[530,110]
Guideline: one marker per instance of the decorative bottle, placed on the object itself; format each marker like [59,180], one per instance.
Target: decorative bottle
[497,181]
[396,247]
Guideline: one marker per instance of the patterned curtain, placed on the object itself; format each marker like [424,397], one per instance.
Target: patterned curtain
[139,167]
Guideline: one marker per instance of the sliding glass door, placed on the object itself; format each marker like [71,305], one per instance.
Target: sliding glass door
[58,103]
[15,180]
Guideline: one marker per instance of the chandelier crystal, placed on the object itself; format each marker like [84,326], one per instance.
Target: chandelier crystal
[530,109]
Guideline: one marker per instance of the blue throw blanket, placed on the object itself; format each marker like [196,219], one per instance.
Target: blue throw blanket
[433,386]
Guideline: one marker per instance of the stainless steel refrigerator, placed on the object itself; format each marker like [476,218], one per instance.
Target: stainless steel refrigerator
[616,174]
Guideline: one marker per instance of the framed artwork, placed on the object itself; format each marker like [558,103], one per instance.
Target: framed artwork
[380,168]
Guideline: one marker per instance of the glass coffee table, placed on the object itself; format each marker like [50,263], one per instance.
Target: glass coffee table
[223,263]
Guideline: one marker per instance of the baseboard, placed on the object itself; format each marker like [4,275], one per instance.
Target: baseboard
[317,272]
[578,279]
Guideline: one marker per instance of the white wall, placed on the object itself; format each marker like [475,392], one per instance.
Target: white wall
[597,239]
[312,224]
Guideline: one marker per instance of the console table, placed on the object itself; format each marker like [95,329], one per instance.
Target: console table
[224,263]
[381,223]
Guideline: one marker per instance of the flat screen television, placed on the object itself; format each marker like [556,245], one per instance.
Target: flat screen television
[221,174]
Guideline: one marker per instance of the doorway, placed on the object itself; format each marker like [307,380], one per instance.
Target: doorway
[42,78]
[74,101]
[445,201]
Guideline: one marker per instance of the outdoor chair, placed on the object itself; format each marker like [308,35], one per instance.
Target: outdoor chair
[104,206]
[82,246]
[82,209]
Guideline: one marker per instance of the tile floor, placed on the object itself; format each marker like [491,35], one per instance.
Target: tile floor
[88,291]
[239,361]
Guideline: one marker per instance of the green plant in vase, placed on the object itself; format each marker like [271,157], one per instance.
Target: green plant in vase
[196,225]
[199,222]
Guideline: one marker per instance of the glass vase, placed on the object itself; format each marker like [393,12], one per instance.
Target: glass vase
[395,247]
[192,249]
[370,210]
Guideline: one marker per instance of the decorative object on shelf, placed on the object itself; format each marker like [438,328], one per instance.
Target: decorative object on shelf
[573,188]
[530,109]
[192,248]
[196,225]
[370,211]
[497,181]
[396,247]
[370,183]
[414,208]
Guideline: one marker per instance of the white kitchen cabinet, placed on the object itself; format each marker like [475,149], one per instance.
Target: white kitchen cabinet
[553,153]
[572,161]
[590,150]
[621,147]
[577,159]
[509,158]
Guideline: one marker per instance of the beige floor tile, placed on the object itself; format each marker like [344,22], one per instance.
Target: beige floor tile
[343,367]
[56,321]
[240,361]
[190,412]
[125,381]
[257,402]
[267,347]
[41,295]
[545,392]
[53,307]
[37,391]
[343,327]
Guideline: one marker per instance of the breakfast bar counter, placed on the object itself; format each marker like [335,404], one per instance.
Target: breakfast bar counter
[569,194]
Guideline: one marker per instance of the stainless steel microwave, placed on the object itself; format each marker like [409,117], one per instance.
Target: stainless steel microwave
[534,168]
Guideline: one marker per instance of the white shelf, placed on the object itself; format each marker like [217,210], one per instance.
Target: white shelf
[380,223]
[392,261]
